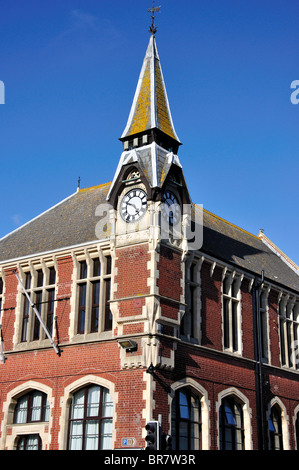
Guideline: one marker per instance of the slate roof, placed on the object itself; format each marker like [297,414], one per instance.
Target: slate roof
[73,222]
[234,245]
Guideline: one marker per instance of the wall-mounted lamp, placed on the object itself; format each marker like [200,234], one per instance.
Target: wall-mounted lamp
[151,369]
[128,345]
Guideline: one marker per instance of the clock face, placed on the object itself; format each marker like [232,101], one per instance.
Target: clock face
[171,209]
[133,205]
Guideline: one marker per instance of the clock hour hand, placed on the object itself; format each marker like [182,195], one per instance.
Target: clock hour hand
[130,204]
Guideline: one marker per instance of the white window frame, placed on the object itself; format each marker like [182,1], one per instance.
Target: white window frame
[228,326]
[33,291]
[264,319]
[288,311]
[89,280]
[192,315]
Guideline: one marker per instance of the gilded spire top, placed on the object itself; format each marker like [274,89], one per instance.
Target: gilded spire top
[153,10]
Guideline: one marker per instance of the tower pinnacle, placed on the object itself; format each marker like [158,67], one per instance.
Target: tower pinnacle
[153,10]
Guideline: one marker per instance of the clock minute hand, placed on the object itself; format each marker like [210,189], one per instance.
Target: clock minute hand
[130,204]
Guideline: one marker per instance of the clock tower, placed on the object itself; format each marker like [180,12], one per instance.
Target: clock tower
[147,198]
[149,169]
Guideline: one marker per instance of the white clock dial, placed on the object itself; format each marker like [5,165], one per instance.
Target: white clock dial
[170,208]
[133,205]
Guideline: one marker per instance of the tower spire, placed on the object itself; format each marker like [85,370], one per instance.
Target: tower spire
[150,112]
[153,10]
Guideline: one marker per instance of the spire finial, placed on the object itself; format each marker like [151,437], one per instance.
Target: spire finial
[153,10]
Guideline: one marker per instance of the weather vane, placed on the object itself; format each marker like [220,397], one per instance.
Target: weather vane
[153,10]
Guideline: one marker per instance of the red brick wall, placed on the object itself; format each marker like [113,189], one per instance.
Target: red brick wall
[211,314]
[247,320]
[273,326]
[132,271]
[10,302]
[170,273]
[131,279]
[63,311]
[213,370]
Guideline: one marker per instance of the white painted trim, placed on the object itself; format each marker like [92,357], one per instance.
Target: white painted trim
[41,428]
[62,250]
[66,400]
[247,414]
[284,420]
[188,382]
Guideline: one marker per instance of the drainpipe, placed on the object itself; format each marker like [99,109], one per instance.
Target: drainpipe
[261,422]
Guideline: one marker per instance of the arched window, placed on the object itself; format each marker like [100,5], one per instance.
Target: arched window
[231,427]
[32,407]
[29,442]
[186,420]
[275,429]
[90,422]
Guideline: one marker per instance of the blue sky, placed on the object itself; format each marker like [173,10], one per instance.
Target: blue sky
[70,70]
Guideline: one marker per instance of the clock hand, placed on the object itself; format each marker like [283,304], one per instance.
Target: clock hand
[130,204]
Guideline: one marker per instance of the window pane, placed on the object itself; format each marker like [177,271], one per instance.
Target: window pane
[108,264]
[21,443]
[27,280]
[50,310]
[76,435]
[108,314]
[184,408]
[40,278]
[36,406]
[92,435]
[282,341]
[93,401]
[32,443]
[230,419]
[25,319]
[235,288]
[96,267]
[77,408]
[226,286]
[195,437]
[38,306]
[228,444]
[195,410]
[183,430]
[226,322]
[271,425]
[83,270]
[46,412]
[52,275]
[107,404]
[235,325]
[95,306]
[82,305]
[106,434]
[29,442]
[21,410]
